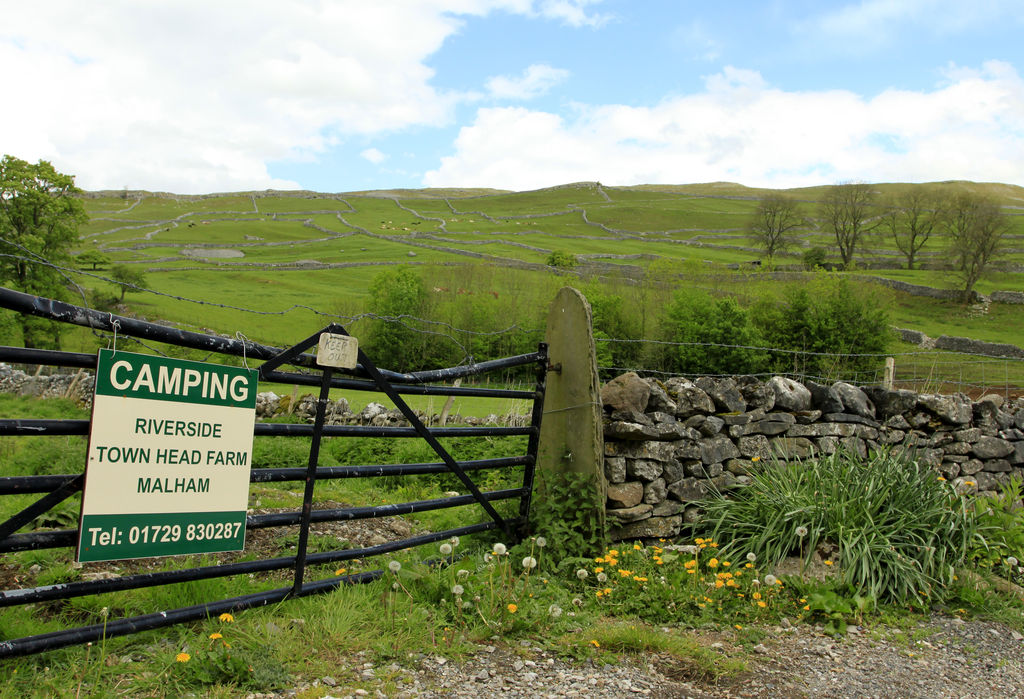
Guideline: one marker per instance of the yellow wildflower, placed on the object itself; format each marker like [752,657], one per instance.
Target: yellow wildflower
[713,563]
[226,618]
[182,658]
[512,609]
[214,636]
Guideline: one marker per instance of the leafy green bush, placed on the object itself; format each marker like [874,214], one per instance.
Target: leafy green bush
[814,258]
[561,260]
[717,334]
[897,528]
[825,318]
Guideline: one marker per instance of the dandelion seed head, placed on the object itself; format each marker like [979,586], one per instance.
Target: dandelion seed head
[801,531]
[601,577]
[541,542]
[462,574]
[394,566]
[554,611]
[582,573]
[770,579]
[1011,561]
[457,590]
[529,563]
[751,556]
[454,541]
[446,549]
[500,550]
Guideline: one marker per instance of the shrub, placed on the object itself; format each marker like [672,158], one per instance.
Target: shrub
[718,336]
[822,320]
[898,529]
[814,258]
[561,260]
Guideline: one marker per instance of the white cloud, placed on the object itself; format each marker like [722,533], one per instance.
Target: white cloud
[193,96]
[741,129]
[535,81]
[374,156]
[573,12]
[871,23]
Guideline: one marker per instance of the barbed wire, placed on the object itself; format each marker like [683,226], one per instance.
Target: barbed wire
[812,353]
[402,319]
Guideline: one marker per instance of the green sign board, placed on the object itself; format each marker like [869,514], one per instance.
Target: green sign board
[170,448]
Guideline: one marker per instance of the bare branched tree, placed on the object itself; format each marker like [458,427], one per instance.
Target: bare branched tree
[774,219]
[911,218]
[849,213]
[976,225]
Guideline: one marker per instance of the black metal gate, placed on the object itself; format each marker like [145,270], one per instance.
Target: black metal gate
[366,377]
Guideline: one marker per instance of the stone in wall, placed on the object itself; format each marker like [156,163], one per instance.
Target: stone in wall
[789,394]
[689,399]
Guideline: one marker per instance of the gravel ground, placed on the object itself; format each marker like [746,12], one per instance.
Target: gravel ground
[942,658]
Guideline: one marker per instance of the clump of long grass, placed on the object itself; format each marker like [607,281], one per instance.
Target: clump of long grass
[899,529]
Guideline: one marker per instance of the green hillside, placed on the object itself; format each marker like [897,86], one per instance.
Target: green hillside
[278,265]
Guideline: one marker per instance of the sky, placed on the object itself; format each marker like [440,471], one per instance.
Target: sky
[200,96]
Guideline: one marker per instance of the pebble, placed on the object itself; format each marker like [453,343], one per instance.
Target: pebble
[948,658]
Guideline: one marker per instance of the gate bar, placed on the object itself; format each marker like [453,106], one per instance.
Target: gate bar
[22,355]
[14,485]
[44,593]
[147,622]
[307,496]
[430,439]
[532,446]
[43,504]
[66,537]
[86,317]
[62,428]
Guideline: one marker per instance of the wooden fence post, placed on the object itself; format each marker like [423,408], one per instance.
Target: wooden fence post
[890,372]
[571,448]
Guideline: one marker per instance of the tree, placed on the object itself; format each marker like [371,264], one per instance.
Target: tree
[399,298]
[129,279]
[848,209]
[92,257]
[975,225]
[775,217]
[911,218]
[39,219]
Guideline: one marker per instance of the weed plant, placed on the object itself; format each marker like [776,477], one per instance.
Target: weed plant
[895,530]
[1000,520]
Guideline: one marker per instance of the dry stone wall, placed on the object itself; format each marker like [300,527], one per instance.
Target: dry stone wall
[669,445]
